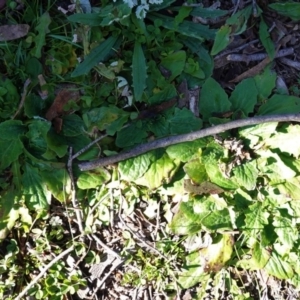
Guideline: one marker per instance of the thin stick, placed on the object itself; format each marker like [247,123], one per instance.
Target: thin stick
[43,271]
[187,137]
[24,94]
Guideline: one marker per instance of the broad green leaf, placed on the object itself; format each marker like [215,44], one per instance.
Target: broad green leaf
[239,20]
[58,183]
[256,217]
[9,152]
[183,121]
[186,151]
[183,12]
[72,125]
[9,212]
[139,71]
[40,38]
[182,224]
[175,63]
[289,9]
[160,6]
[130,136]
[246,175]
[288,141]
[98,54]
[258,132]
[11,129]
[213,99]
[93,179]
[217,254]
[57,143]
[106,118]
[9,99]
[193,271]
[244,96]
[279,268]
[37,136]
[195,169]
[260,256]
[265,39]
[158,171]
[134,168]
[215,175]
[37,196]
[280,104]
[92,19]
[187,28]
[290,188]
[265,83]
[286,231]
[208,12]
[272,166]
[218,220]
[222,39]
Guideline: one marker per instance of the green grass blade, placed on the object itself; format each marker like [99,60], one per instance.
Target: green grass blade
[100,53]
[139,71]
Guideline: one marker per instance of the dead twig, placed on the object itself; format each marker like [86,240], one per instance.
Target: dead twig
[290,63]
[187,137]
[24,94]
[258,56]
[43,271]
[75,204]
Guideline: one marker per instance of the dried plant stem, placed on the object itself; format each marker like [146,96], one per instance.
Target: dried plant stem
[187,137]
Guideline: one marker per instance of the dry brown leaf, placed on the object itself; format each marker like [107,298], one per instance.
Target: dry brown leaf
[13,32]
[62,98]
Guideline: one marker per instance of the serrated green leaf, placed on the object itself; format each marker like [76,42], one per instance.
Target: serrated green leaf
[256,217]
[37,197]
[246,175]
[139,71]
[98,54]
[277,267]
[289,9]
[280,104]
[183,121]
[265,39]
[134,168]
[218,220]
[286,231]
[291,188]
[288,141]
[93,179]
[260,256]
[158,171]
[213,99]
[175,63]
[244,96]
[222,39]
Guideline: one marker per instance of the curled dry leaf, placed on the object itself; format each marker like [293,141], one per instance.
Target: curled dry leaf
[13,32]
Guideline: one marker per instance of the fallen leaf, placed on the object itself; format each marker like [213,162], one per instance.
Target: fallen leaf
[62,98]
[13,32]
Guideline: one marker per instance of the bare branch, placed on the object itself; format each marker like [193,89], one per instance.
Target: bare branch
[187,137]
